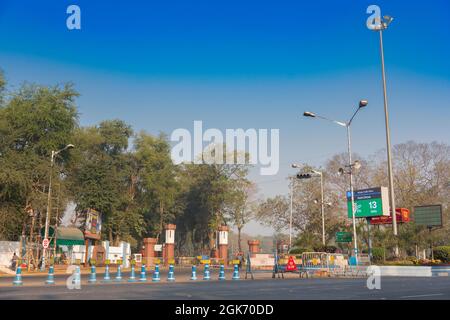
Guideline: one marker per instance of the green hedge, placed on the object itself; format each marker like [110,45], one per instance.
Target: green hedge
[442,253]
[328,249]
[297,250]
[377,254]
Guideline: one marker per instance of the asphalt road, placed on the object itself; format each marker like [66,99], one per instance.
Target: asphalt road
[392,288]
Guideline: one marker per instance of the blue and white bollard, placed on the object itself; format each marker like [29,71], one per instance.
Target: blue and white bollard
[77,277]
[170,275]
[18,278]
[143,277]
[119,274]
[206,275]
[222,273]
[236,273]
[156,277]
[132,277]
[194,273]
[106,277]
[51,275]
[92,275]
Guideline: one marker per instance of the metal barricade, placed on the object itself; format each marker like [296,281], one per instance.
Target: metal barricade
[261,263]
[337,264]
[281,265]
[315,263]
[359,269]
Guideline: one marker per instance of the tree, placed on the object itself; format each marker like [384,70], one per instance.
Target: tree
[102,178]
[157,181]
[241,204]
[33,121]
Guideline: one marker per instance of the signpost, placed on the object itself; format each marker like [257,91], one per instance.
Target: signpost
[373,202]
[45,243]
[402,215]
[344,237]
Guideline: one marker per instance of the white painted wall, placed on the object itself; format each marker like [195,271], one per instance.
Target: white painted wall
[7,249]
[114,254]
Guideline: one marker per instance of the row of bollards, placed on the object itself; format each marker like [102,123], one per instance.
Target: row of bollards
[118,278]
[207,274]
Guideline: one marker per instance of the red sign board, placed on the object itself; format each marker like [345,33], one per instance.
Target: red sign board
[291,266]
[402,215]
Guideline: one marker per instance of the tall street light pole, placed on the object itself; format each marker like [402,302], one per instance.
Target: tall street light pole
[380,26]
[49,201]
[362,104]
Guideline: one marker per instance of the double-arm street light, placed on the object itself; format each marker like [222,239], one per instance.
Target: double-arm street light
[362,104]
[381,25]
[307,175]
[49,200]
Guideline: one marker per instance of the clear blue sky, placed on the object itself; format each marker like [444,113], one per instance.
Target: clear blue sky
[160,65]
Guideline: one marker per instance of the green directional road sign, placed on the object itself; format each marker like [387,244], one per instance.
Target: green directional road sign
[344,237]
[373,202]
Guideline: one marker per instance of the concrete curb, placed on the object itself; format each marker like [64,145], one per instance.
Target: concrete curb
[411,271]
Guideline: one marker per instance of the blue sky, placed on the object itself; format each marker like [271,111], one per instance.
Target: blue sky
[160,65]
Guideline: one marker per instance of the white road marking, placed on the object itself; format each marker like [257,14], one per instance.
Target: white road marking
[423,296]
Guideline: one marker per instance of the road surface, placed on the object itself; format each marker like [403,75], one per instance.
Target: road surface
[292,288]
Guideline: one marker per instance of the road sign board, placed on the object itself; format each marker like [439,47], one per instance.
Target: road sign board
[373,202]
[344,237]
[402,216]
[45,243]
[430,216]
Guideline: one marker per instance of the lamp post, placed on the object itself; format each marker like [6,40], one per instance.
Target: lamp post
[381,25]
[362,104]
[49,200]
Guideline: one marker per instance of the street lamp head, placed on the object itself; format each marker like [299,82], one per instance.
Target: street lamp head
[363,103]
[341,172]
[316,201]
[357,165]
[309,114]
[387,21]
[295,166]
[70,146]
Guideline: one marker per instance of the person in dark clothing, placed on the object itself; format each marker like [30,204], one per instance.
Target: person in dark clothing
[14,261]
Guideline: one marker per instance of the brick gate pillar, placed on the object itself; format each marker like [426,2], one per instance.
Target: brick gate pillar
[223,243]
[253,246]
[170,242]
[148,255]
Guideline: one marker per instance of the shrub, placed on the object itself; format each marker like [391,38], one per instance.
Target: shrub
[442,253]
[413,259]
[327,249]
[377,254]
[297,250]
[399,263]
